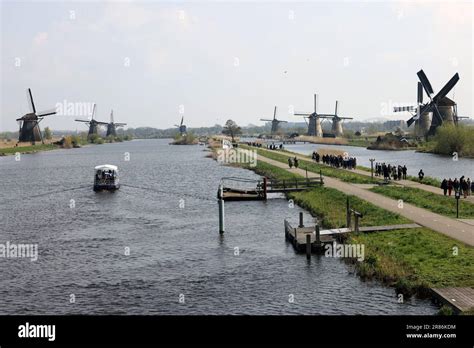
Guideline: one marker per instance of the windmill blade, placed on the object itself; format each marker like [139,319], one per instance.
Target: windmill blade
[421,110]
[403,108]
[279,121]
[100,122]
[335,111]
[47,113]
[420,93]
[275,113]
[302,114]
[263,119]
[93,111]
[112,116]
[79,120]
[447,87]
[425,82]
[32,103]
[345,118]
[182,120]
[315,103]
[436,116]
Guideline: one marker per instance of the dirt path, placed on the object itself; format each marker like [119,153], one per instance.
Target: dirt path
[453,228]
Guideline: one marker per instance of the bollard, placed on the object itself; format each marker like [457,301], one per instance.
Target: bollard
[356,223]
[308,246]
[301,219]
[318,236]
[221,211]
[348,214]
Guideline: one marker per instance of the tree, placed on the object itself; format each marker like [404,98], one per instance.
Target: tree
[231,129]
[47,133]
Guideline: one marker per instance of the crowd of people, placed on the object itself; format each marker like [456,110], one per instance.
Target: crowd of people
[336,161]
[389,172]
[463,186]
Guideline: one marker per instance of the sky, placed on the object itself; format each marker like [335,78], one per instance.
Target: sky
[153,62]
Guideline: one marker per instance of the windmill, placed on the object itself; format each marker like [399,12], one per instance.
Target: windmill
[93,124]
[275,122]
[29,123]
[440,106]
[181,127]
[111,126]
[336,121]
[314,125]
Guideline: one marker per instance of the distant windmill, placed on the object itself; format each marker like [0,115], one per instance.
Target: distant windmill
[336,121]
[442,108]
[29,123]
[93,124]
[111,126]
[181,127]
[275,122]
[314,126]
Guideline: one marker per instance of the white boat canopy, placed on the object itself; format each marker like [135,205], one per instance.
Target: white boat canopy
[106,167]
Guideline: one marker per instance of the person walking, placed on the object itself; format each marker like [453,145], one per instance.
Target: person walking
[421,175]
[295,162]
[404,169]
[464,187]
[444,186]
[468,186]
[456,185]
[450,186]
[290,162]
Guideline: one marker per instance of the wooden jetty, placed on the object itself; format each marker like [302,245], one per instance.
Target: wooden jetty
[460,299]
[257,190]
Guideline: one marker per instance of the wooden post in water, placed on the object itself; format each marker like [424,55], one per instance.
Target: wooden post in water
[348,214]
[221,210]
[318,236]
[265,187]
[308,246]
[301,219]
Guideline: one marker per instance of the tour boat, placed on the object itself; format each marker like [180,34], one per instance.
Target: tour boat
[106,178]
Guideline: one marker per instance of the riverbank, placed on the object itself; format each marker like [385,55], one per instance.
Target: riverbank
[412,261]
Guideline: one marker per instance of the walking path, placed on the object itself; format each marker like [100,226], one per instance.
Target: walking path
[453,228]
[407,183]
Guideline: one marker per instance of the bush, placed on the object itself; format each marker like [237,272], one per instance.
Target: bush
[67,143]
[450,138]
[445,310]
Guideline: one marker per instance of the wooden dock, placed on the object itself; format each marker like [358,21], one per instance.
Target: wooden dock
[263,187]
[460,299]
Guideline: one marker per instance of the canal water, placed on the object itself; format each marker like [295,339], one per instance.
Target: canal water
[433,165]
[165,215]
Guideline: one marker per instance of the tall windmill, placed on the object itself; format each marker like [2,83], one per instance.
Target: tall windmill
[29,123]
[111,126]
[181,127]
[440,106]
[93,124]
[275,122]
[336,121]
[314,124]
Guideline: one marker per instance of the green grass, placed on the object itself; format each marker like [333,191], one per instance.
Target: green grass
[411,260]
[438,204]
[417,258]
[330,206]
[340,174]
[31,148]
[272,172]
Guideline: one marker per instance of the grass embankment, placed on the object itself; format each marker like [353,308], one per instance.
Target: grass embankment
[439,204]
[411,260]
[27,149]
[343,175]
